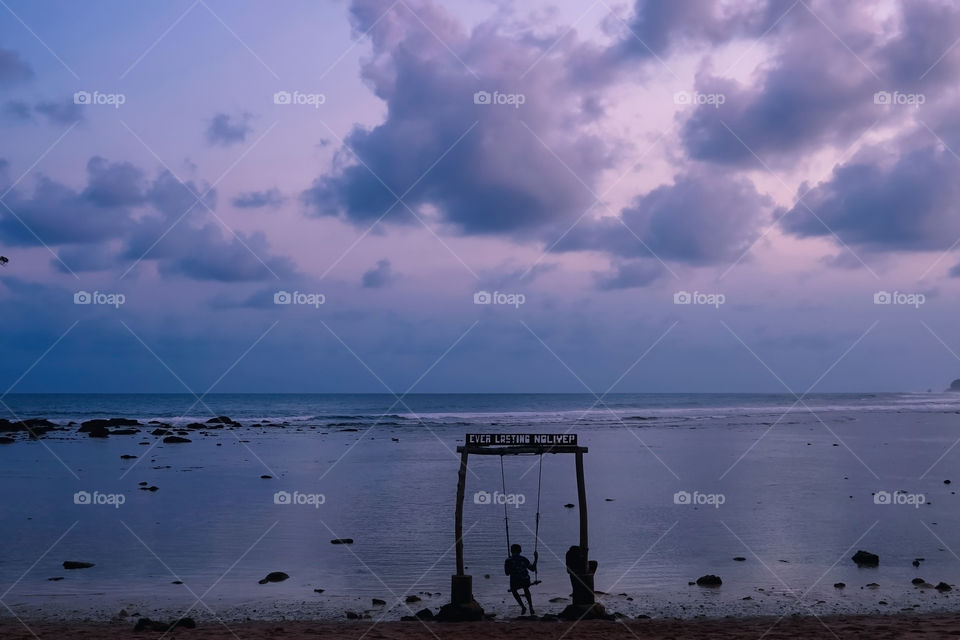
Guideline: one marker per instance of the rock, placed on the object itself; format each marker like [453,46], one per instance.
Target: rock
[569,505]
[274,576]
[56,579]
[353,615]
[955,385]
[319,590]
[6,440]
[151,488]
[709,580]
[175,440]
[917,581]
[739,559]
[873,585]
[127,456]
[177,582]
[160,432]
[342,541]
[946,482]
[125,432]
[220,420]
[73,564]
[556,600]
[943,586]
[424,614]
[146,624]
[109,422]
[377,602]
[839,585]
[866,559]
[915,563]
[412,599]
[266,477]
[98,432]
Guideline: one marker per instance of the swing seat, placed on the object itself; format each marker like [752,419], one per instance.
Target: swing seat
[531,584]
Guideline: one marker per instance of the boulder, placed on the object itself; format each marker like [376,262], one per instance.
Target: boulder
[220,420]
[918,581]
[160,432]
[274,576]
[175,440]
[98,432]
[943,586]
[865,559]
[839,585]
[73,564]
[709,580]
[955,385]
[377,602]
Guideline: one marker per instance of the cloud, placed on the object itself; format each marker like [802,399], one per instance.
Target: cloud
[120,216]
[60,113]
[258,199]
[225,130]
[630,274]
[903,199]
[13,68]
[484,168]
[704,217]
[379,276]
[18,109]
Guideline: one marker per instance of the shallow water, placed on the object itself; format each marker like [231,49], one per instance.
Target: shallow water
[796,489]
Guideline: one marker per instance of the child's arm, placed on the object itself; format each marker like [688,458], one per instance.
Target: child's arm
[536,558]
[506,567]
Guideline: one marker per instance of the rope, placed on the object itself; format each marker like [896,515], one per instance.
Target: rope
[536,532]
[506,519]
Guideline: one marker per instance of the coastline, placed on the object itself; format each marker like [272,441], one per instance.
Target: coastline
[876,627]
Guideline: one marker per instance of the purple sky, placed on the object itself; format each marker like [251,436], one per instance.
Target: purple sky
[588,162]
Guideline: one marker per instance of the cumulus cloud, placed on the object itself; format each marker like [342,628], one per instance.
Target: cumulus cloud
[379,276]
[630,274]
[259,199]
[13,68]
[62,112]
[224,130]
[485,168]
[121,216]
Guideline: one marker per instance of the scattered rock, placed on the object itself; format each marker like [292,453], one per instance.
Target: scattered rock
[918,581]
[377,602]
[866,559]
[739,559]
[266,477]
[124,432]
[412,599]
[943,586]
[175,440]
[56,579]
[73,564]
[160,432]
[146,624]
[839,585]
[127,456]
[150,488]
[220,420]
[946,482]
[569,505]
[274,576]
[353,615]
[342,541]
[709,580]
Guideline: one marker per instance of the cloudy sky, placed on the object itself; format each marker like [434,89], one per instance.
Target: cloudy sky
[314,196]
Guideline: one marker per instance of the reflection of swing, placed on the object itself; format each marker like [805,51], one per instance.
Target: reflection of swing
[506,518]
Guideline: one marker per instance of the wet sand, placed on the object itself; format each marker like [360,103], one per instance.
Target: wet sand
[872,627]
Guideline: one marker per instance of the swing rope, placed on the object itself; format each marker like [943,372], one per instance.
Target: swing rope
[506,517]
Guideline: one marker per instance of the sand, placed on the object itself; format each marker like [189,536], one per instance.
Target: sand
[870,627]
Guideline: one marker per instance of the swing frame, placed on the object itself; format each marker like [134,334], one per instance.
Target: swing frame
[461,583]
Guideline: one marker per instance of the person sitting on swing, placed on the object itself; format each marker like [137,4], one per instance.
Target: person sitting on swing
[518,568]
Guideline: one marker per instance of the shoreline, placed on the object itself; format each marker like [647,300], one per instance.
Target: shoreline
[877,627]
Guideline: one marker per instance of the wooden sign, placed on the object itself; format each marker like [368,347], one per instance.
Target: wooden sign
[521,439]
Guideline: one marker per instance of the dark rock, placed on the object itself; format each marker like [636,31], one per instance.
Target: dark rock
[866,559]
[709,580]
[125,432]
[160,432]
[274,576]
[917,581]
[739,559]
[196,425]
[319,590]
[353,615]
[109,422]
[6,440]
[955,385]
[946,482]
[177,582]
[377,602]
[943,586]
[127,456]
[412,599]
[98,432]
[342,541]
[152,488]
[57,579]
[72,564]
[175,440]
[146,624]
[220,420]
[569,505]
[839,585]
[266,477]
[424,614]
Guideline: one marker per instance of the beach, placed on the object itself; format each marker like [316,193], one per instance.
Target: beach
[773,501]
[844,627]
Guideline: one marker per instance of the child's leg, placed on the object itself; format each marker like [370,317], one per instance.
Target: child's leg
[519,601]
[526,593]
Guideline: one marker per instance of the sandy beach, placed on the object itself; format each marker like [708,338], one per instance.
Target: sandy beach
[874,627]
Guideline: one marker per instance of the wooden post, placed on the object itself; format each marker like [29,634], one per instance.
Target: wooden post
[582,499]
[461,488]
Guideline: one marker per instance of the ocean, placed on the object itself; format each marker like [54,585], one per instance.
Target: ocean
[678,486]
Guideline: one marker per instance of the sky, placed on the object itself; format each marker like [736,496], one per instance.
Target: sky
[424,196]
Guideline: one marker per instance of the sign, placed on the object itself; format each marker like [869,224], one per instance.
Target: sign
[521,439]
